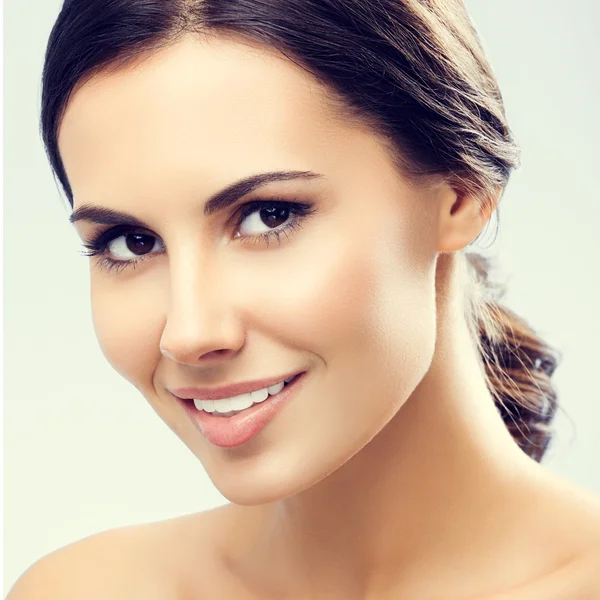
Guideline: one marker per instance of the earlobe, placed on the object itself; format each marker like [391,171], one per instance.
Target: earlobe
[462,218]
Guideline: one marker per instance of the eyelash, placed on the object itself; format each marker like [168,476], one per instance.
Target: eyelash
[97,245]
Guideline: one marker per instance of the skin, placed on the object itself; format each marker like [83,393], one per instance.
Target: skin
[391,470]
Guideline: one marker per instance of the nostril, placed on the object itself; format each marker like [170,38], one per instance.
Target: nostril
[217,353]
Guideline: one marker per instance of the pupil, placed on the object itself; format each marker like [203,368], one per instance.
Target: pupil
[141,242]
[275,216]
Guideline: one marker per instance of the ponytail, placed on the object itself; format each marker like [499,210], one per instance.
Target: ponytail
[518,363]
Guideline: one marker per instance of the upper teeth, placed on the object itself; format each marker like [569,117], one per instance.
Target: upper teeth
[240,402]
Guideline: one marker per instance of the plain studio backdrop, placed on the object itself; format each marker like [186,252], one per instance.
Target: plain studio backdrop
[84,452]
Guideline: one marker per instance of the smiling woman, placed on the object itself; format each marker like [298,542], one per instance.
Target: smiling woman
[278,199]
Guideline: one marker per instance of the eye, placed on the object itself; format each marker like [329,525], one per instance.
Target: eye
[272,218]
[121,242]
[257,220]
[139,244]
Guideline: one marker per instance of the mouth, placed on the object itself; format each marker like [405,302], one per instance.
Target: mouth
[227,428]
[229,407]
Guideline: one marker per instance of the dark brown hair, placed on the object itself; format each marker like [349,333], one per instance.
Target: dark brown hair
[413,70]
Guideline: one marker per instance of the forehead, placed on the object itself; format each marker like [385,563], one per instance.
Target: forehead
[210,102]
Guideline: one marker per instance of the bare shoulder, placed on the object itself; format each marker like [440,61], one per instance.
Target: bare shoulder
[569,519]
[575,512]
[577,579]
[139,561]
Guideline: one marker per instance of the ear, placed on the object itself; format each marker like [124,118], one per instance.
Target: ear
[462,217]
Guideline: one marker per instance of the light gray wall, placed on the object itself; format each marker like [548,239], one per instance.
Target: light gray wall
[85,453]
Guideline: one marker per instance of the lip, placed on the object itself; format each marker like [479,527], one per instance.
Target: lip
[228,432]
[229,391]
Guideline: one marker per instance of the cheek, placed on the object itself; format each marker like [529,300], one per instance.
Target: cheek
[359,304]
[124,317]
[381,317]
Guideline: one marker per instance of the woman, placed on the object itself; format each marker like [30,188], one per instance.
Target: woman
[278,199]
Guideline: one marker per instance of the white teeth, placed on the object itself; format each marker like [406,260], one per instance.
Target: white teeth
[275,389]
[223,405]
[241,402]
[260,395]
[207,405]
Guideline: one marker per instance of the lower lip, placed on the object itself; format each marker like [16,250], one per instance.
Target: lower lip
[228,432]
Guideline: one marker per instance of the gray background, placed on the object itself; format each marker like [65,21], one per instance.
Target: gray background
[83,450]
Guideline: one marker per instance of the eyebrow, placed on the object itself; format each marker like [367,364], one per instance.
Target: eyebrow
[218,201]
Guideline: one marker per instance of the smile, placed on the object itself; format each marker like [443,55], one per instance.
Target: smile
[228,407]
[225,427]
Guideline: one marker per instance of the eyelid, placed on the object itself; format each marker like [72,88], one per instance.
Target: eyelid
[106,236]
[249,206]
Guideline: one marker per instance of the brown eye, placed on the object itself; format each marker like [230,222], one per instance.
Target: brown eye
[269,216]
[139,243]
[275,216]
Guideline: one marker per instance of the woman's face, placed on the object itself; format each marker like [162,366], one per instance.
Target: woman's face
[347,295]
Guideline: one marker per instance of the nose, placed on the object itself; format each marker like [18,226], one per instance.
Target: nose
[201,322]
